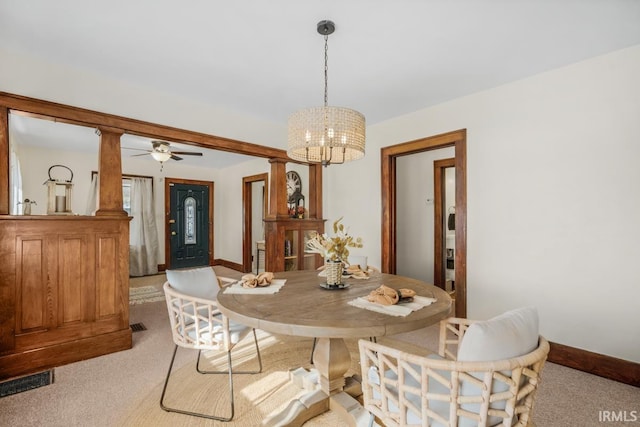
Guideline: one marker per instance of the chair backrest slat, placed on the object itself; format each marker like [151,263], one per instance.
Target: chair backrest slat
[403,389]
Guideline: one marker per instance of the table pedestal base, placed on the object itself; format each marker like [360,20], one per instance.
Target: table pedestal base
[327,388]
[316,402]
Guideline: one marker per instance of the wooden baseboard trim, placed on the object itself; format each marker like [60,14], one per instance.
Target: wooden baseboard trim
[229,264]
[612,368]
[32,361]
[162,267]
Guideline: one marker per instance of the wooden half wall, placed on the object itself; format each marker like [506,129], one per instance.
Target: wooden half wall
[64,290]
[64,280]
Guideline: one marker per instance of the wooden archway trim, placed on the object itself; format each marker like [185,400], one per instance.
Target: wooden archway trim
[457,139]
[439,212]
[248,211]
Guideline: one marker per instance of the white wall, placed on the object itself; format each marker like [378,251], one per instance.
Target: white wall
[228,208]
[34,164]
[553,198]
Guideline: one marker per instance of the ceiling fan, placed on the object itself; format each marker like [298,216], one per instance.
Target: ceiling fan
[161,152]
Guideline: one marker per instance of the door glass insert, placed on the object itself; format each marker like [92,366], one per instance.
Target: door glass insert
[190,221]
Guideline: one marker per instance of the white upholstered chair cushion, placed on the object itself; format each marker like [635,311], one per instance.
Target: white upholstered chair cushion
[511,334]
[198,282]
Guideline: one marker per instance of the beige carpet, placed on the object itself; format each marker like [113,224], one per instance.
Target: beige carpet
[124,387]
[256,396]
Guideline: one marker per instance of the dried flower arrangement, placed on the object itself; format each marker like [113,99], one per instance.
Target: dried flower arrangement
[296,212]
[334,248]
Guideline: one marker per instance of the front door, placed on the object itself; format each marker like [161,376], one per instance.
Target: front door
[188,225]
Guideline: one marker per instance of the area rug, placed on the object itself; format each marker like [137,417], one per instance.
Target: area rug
[256,396]
[144,294]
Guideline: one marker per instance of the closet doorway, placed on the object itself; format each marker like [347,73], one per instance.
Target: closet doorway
[389,156]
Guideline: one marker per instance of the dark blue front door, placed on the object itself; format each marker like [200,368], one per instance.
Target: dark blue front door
[189,225]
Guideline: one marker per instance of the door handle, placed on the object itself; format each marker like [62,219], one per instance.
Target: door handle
[173,233]
[172,221]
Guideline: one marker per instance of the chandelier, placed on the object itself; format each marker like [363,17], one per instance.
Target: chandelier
[326,134]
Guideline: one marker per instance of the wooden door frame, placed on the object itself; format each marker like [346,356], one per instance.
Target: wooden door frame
[458,140]
[439,246]
[167,216]
[247,212]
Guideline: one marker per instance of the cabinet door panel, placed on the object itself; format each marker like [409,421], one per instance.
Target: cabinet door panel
[31,274]
[107,293]
[72,276]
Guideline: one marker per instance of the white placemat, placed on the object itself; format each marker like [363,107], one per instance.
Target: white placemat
[237,288]
[399,310]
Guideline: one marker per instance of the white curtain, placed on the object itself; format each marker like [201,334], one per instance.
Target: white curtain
[143,234]
[92,200]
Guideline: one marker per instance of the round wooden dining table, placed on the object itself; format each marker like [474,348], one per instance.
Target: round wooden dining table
[303,307]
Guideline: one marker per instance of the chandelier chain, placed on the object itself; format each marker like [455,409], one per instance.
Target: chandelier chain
[326,69]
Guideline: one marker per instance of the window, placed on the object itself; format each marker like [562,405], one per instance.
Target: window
[126,189]
[190,221]
[126,195]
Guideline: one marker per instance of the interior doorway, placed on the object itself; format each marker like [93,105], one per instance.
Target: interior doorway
[389,156]
[255,193]
[188,223]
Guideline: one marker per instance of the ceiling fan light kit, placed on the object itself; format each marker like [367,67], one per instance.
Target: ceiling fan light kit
[161,152]
[326,134]
[161,156]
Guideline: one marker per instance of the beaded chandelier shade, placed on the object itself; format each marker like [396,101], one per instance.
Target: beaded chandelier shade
[326,134]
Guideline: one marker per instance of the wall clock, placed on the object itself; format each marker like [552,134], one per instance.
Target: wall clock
[294,185]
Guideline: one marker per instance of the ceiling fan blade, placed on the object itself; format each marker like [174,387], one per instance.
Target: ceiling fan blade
[137,149]
[143,154]
[186,153]
[174,157]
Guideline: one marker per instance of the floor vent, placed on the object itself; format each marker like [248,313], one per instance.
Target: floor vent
[28,382]
[137,327]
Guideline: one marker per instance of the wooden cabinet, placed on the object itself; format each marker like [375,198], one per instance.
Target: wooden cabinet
[285,237]
[285,244]
[64,290]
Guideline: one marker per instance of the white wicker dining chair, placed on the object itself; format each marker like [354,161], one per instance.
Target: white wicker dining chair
[196,323]
[403,389]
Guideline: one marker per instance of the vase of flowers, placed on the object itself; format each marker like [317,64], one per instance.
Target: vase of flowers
[333,270]
[300,212]
[334,250]
[296,212]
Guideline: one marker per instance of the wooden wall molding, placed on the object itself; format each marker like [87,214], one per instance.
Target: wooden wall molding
[84,117]
[229,264]
[247,209]
[278,208]
[4,160]
[609,367]
[110,158]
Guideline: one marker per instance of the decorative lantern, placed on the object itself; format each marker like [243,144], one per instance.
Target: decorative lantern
[59,193]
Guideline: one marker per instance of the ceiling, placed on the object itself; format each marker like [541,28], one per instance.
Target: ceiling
[265,58]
